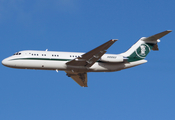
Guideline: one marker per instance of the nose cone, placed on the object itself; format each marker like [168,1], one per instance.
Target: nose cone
[5,62]
[8,62]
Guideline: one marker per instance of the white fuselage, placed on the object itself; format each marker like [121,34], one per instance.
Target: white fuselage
[76,64]
[51,60]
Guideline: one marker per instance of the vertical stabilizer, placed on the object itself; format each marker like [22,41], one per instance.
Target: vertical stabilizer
[143,46]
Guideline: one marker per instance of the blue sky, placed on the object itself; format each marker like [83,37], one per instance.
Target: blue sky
[143,92]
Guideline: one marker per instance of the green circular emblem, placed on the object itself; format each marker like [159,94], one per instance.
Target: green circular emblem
[143,50]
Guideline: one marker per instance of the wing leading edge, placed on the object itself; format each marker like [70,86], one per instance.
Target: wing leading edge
[86,61]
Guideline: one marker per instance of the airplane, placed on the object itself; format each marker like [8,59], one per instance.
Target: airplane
[77,64]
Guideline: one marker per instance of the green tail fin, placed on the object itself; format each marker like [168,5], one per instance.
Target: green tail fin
[142,47]
[141,52]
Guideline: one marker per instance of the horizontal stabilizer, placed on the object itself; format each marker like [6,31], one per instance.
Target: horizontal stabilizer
[155,37]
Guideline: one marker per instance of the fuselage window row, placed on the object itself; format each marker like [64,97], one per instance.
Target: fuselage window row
[55,55]
[43,55]
[74,56]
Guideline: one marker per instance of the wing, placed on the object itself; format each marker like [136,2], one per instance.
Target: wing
[80,78]
[89,58]
[86,60]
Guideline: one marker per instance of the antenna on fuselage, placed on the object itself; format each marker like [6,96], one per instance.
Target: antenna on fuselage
[46,49]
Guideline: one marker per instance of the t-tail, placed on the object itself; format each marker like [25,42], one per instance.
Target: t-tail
[143,46]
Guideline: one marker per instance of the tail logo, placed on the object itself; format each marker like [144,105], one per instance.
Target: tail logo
[143,50]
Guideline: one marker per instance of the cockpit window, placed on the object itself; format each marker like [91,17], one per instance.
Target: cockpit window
[18,53]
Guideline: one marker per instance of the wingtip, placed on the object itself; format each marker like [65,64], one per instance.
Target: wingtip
[169,30]
[114,40]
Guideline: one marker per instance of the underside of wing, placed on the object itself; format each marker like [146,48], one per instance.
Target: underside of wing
[79,64]
[155,37]
[80,78]
[89,58]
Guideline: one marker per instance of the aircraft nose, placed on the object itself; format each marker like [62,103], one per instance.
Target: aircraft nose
[5,62]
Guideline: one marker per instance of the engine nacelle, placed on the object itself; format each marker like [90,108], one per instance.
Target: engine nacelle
[112,58]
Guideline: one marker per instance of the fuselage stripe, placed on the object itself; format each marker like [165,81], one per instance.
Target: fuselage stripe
[41,59]
[50,59]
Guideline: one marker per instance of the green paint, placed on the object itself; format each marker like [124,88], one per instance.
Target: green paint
[141,52]
[50,59]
